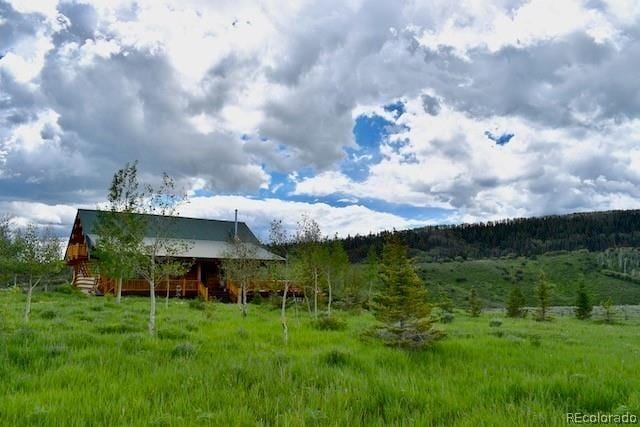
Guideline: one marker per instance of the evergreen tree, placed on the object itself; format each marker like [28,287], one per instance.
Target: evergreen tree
[372,272]
[355,289]
[475,306]
[583,303]
[401,306]
[515,302]
[543,293]
[445,304]
[595,231]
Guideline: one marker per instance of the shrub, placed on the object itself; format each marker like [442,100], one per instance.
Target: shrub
[24,336]
[475,306]
[171,334]
[67,289]
[495,323]
[446,304]
[85,318]
[275,302]
[135,343]
[116,328]
[197,304]
[185,349]
[446,317]
[608,310]
[534,340]
[56,350]
[48,314]
[209,310]
[514,339]
[335,358]
[257,299]
[329,323]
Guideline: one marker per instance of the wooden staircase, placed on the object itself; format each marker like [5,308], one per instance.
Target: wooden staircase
[84,279]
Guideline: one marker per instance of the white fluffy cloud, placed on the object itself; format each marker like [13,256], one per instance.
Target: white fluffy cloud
[58,217]
[494,26]
[258,214]
[454,165]
[232,96]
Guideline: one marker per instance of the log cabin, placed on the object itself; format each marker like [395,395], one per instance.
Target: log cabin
[206,244]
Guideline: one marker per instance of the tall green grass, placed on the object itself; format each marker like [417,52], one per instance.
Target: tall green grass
[88,361]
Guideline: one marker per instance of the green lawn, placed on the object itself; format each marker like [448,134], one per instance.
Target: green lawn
[87,361]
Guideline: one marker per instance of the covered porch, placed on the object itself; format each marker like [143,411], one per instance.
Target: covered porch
[204,280]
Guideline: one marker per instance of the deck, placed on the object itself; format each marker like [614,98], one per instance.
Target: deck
[188,288]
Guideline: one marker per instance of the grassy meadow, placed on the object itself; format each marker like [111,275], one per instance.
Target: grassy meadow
[88,361]
[494,277]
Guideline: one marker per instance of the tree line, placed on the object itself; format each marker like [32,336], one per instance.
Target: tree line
[595,231]
[29,257]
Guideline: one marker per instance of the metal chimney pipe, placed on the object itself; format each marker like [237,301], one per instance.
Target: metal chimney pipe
[235,226]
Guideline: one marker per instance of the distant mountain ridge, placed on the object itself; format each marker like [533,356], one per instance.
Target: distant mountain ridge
[594,231]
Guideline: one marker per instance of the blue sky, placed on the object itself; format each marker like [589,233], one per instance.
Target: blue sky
[364,115]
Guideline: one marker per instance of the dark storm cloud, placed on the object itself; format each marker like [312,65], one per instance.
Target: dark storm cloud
[129,106]
[548,82]
[430,104]
[220,84]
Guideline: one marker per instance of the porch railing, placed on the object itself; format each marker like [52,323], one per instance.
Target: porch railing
[193,287]
[176,286]
[258,286]
[203,292]
[76,251]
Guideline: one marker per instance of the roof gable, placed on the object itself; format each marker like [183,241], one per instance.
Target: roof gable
[180,227]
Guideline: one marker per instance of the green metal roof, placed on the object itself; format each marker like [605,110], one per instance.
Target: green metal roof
[207,249]
[180,227]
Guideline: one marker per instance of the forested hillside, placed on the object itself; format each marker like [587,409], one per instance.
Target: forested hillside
[595,231]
